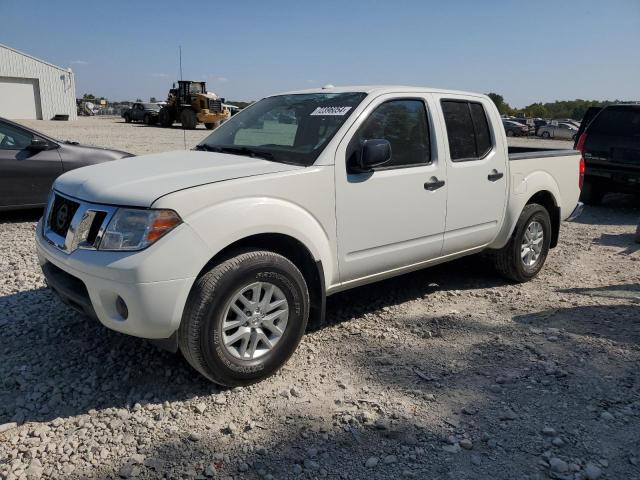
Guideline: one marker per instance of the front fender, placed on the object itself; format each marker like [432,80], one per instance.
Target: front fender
[522,189]
[225,223]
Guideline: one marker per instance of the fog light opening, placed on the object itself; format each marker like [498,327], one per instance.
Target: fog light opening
[121,308]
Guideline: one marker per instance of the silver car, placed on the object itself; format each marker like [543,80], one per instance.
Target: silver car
[561,130]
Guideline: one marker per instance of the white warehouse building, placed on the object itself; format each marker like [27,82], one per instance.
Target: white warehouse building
[32,88]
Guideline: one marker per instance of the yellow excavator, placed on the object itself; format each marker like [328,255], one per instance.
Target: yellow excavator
[189,103]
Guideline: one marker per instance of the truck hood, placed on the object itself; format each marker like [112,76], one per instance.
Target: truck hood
[139,181]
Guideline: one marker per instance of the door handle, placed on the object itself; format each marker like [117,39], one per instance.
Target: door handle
[433,184]
[495,175]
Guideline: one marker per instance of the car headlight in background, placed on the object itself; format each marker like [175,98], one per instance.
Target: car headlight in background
[133,229]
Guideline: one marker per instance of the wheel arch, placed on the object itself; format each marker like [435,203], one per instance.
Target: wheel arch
[292,249]
[548,201]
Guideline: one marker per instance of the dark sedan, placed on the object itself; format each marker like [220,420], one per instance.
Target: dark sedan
[514,129]
[30,161]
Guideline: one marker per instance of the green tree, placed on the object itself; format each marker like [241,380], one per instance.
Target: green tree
[503,107]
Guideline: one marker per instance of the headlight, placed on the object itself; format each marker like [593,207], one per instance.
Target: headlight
[132,229]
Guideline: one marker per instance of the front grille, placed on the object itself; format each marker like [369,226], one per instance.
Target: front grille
[71,224]
[215,106]
[62,213]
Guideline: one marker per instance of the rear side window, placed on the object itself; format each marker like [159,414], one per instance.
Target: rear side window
[619,122]
[467,129]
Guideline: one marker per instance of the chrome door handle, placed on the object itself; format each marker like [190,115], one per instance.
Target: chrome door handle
[433,184]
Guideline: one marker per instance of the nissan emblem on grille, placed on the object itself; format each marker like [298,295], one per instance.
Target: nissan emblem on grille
[62,216]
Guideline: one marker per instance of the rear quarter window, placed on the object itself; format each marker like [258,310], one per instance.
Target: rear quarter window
[616,122]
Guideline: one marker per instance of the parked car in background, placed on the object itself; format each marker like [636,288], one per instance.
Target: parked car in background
[610,145]
[142,112]
[227,251]
[30,161]
[515,129]
[560,131]
[537,124]
[570,121]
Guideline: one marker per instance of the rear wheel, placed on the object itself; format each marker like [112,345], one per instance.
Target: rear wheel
[546,135]
[165,117]
[523,257]
[245,318]
[591,193]
[147,119]
[188,119]
[127,118]
[211,126]
[509,133]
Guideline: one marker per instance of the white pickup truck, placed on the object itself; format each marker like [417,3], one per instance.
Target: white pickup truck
[227,251]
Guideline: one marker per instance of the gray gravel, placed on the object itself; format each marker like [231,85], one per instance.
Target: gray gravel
[445,373]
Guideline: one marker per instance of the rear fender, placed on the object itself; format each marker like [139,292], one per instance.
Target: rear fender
[523,189]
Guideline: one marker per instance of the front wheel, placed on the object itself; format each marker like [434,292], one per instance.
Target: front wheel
[165,117]
[188,119]
[244,318]
[509,133]
[211,126]
[523,257]
[127,118]
[546,135]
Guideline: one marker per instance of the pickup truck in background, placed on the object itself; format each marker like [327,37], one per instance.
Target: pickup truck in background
[227,251]
[609,139]
[142,112]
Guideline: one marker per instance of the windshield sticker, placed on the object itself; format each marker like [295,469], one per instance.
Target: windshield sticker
[337,111]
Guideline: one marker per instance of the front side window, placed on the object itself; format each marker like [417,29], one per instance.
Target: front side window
[467,130]
[14,139]
[285,128]
[404,124]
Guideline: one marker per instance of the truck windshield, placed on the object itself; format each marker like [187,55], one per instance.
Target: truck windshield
[285,128]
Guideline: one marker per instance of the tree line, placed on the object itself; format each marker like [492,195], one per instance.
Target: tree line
[559,109]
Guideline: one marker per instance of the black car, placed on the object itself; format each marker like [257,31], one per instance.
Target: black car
[31,161]
[515,129]
[609,139]
[142,112]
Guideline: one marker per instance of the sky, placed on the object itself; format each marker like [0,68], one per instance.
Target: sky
[527,51]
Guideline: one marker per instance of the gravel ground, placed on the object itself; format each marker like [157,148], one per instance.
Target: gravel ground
[450,372]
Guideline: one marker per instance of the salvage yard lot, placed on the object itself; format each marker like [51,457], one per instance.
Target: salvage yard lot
[450,372]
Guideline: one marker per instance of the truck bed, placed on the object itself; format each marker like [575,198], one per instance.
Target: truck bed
[522,153]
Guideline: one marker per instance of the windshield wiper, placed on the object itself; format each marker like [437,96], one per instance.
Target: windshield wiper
[249,152]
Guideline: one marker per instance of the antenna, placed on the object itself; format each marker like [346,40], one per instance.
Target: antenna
[184,133]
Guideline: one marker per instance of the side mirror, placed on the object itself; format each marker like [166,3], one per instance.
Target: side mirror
[38,144]
[373,153]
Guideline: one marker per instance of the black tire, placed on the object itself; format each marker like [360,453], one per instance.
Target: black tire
[188,119]
[591,193]
[508,261]
[509,133]
[545,135]
[211,126]
[165,117]
[127,118]
[147,119]
[200,333]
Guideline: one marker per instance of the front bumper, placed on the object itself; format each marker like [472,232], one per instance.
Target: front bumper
[152,283]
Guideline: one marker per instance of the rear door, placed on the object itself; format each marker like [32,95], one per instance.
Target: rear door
[393,216]
[25,175]
[476,170]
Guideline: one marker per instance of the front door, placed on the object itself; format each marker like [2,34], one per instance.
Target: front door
[393,216]
[26,175]
[477,171]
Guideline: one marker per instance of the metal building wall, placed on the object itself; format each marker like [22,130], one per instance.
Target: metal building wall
[57,85]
